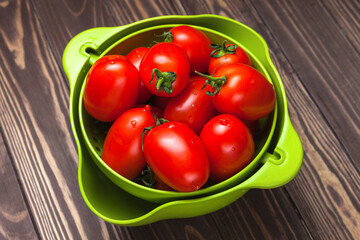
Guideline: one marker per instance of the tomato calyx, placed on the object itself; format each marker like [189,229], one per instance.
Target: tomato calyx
[146,130]
[146,177]
[221,50]
[164,80]
[168,36]
[216,83]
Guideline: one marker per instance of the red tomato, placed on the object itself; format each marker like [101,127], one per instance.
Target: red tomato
[135,57]
[164,69]
[196,45]
[229,145]
[225,54]
[192,106]
[242,91]
[111,88]
[177,156]
[122,149]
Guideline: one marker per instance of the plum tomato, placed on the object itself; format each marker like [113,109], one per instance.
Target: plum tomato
[122,149]
[192,106]
[111,87]
[229,145]
[242,91]
[195,43]
[227,53]
[177,156]
[164,69]
[135,57]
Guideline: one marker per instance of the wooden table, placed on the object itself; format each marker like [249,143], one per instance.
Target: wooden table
[315,46]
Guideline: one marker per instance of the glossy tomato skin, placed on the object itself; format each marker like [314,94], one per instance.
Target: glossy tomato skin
[229,145]
[135,57]
[240,56]
[192,106]
[196,45]
[167,57]
[122,149]
[177,156]
[247,94]
[111,88]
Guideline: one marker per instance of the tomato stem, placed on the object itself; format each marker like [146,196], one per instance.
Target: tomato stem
[221,50]
[164,80]
[146,177]
[216,83]
[168,36]
[145,131]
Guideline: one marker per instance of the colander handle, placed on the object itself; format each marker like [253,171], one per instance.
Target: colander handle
[85,48]
[282,166]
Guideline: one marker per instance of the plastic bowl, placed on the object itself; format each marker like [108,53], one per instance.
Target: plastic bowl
[85,48]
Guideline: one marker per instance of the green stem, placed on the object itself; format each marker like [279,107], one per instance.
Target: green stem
[221,50]
[168,36]
[146,177]
[164,80]
[216,83]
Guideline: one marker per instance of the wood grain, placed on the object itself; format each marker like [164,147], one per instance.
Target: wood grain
[190,228]
[35,123]
[62,20]
[261,214]
[15,221]
[324,58]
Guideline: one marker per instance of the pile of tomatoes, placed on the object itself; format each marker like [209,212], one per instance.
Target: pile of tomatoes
[183,110]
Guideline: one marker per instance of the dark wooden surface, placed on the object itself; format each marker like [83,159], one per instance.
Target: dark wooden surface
[315,46]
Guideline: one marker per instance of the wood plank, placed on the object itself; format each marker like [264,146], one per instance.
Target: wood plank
[346,16]
[324,57]
[189,228]
[62,20]
[35,123]
[15,220]
[325,193]
[261,214]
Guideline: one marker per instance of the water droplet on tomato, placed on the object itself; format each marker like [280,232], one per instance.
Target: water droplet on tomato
[146,108]
[233,149]
[171,126]
[133,123]
[195,93]
[224,122]
[193,105]
[112,62]
[192,141]
[139,56]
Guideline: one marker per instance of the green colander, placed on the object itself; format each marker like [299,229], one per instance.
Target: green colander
[94,132]
[279,155]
